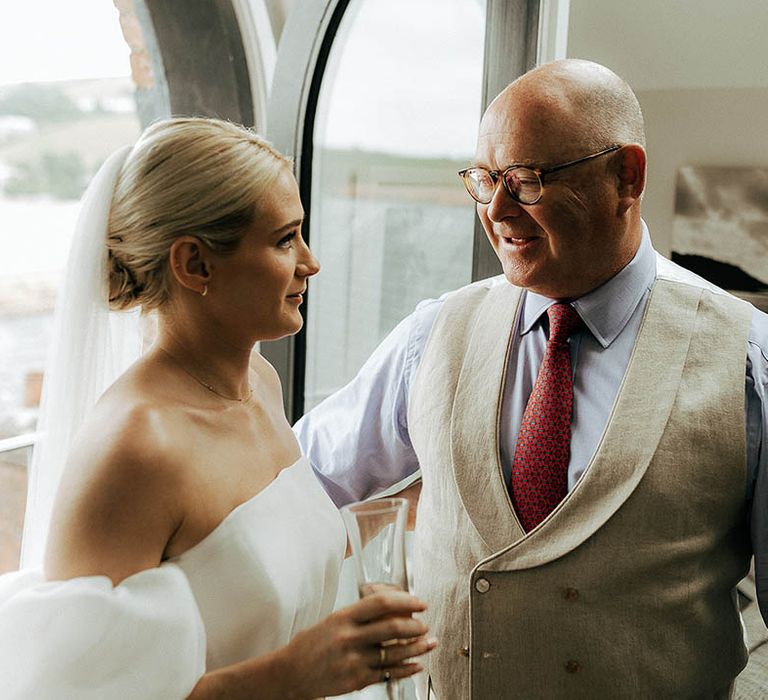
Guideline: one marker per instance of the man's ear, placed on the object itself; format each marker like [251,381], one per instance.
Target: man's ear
[630,175]
[190,263]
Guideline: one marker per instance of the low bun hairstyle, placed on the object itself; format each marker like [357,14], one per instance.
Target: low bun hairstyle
[185,176]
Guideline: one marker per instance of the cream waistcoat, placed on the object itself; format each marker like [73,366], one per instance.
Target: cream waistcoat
[627,588]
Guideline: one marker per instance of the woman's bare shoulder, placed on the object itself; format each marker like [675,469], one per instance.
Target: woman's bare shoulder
[133,435]
[121,497]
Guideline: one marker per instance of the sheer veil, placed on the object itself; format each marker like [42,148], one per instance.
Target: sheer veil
[91,347]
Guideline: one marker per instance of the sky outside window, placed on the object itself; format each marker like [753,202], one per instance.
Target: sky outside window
[45,40]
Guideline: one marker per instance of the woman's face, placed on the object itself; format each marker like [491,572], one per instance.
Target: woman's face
[260,286]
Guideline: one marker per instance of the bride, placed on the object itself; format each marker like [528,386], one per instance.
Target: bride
[191,552]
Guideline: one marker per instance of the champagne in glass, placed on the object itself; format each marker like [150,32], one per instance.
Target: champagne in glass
[365,589]
[376,531]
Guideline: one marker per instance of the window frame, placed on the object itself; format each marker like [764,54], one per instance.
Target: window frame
[511,40]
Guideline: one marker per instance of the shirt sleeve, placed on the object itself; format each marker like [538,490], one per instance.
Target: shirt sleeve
[757,457]
[85,639]
[357,439]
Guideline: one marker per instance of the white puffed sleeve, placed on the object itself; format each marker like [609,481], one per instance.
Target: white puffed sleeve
[87,639]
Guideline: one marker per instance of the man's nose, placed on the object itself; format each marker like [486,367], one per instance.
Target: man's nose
[502,206]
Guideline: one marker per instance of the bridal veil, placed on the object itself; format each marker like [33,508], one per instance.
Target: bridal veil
[85,639]
[91,347]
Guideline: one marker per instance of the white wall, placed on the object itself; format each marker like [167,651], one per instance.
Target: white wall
[698,127]
[700,71]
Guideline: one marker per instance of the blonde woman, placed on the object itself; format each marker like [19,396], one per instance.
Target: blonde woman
[191,552]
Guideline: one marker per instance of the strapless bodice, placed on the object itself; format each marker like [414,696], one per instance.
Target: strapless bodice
[269,569]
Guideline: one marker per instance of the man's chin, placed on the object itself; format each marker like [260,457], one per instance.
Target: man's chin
[520,278]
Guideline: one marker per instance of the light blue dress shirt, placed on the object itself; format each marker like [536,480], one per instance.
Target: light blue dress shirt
[357,439]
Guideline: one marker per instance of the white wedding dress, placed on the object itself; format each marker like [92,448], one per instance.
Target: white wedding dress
[267,571]
[270,569]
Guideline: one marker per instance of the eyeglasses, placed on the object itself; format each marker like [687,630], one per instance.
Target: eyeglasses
[523,183]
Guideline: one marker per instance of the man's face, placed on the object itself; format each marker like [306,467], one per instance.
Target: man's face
[570,241]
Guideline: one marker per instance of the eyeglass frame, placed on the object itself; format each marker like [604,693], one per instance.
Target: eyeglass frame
[497,175]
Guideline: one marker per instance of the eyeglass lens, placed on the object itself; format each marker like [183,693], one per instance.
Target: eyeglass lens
[522,184]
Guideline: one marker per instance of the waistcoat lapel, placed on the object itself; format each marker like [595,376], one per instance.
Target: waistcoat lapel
[636,424]
[476,416]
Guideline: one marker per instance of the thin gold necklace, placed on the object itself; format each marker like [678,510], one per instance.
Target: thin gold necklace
[208,386]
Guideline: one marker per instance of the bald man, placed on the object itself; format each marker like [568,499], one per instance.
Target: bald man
[579,423]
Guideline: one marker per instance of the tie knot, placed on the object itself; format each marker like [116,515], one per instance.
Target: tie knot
[564,320]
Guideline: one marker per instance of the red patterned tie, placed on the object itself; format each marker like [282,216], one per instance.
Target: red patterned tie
[540,467]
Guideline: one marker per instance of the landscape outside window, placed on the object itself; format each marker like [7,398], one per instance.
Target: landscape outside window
[66,102]
[390,220]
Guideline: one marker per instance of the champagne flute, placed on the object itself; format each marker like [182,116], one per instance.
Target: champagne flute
[376,531]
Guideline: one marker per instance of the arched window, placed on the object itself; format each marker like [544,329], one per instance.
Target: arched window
[379,103]
[88,76]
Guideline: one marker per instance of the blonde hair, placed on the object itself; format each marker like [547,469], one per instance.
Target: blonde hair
[185,176]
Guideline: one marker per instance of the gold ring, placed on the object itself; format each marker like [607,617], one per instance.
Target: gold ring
[385,677]
[382,656]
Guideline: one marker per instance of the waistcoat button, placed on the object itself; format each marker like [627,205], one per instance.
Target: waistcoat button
[571,594]
[464,651]
[572,666]
[482,585]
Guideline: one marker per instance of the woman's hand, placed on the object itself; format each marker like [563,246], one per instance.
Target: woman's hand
[364,643]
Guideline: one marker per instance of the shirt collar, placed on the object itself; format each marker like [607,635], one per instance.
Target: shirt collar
[605,310]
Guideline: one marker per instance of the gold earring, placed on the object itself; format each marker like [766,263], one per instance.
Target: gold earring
[205,290]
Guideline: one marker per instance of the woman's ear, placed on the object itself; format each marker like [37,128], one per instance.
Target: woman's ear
[631,175]
[191,264]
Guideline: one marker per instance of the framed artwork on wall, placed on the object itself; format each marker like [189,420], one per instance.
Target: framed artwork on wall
[720,228]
